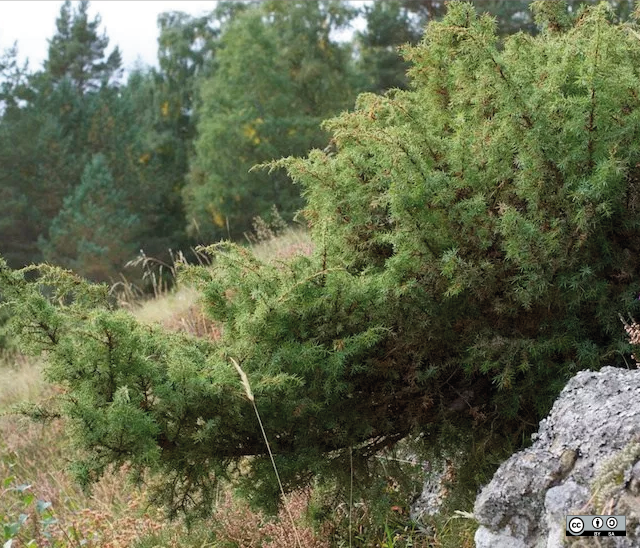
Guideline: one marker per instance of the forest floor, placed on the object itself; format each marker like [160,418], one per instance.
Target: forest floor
[41,505]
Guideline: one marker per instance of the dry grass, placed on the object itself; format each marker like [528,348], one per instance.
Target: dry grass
[242,527]
[20,380]
[292,242]
[37,455]
[179,310]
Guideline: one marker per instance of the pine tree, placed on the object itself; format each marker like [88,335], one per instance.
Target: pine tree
[77,51]
[476,237]
[38,147]
[82,236]
[164,104]
[12,79]
[16,236]
[156,161]
[186,47]
[48,130]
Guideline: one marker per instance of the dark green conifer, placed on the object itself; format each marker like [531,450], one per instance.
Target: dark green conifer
[77,51]
[82,236]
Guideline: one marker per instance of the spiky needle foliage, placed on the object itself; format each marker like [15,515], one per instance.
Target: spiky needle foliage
[475,237]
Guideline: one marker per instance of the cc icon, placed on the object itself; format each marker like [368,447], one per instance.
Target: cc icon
[576,525]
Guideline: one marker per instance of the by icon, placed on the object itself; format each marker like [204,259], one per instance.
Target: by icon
[597,523]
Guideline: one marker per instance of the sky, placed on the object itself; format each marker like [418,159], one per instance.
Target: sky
[129,24]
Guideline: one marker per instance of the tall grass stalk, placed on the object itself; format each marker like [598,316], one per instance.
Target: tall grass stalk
[249,393]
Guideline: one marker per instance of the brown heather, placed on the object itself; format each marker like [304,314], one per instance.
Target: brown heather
[633,332]
[242,527]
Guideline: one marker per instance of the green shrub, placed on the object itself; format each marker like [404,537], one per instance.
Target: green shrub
[26,519]
[4,339]
[474,240]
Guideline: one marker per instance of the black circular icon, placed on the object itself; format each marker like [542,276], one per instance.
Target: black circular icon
[597,523]
[612,522]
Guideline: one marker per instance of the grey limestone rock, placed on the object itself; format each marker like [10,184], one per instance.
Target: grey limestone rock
[590,436]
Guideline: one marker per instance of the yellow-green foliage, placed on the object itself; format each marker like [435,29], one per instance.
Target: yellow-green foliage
[279,72]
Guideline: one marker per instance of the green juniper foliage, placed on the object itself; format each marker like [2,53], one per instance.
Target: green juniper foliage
[476,237]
